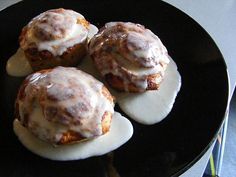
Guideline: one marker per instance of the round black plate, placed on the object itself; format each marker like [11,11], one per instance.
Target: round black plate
[165,149]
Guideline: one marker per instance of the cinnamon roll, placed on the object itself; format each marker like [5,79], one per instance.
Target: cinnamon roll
[57,37]
[129,56]
[64,105]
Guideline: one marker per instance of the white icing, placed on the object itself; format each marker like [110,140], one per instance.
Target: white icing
[18,65]
[78,93]
[57,47]
[151,107]
[55,31]
[120,132]
[92,31]
[145,35]
[155,49]
[44,129]
[135,69]
[129,51]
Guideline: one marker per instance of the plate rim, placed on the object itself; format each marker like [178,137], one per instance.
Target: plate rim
[191,164]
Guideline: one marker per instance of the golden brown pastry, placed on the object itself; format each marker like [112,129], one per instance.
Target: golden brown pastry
[129,56]
[55,37]
[64,105]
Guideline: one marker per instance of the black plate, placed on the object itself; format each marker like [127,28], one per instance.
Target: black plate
[165,149]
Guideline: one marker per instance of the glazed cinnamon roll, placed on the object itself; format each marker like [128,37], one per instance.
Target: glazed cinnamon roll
[64,105]
[55,37]
[129,56]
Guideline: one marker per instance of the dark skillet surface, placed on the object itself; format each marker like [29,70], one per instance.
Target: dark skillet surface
[165,149]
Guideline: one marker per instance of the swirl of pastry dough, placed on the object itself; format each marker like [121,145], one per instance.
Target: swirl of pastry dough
[57,37]
[53,25]
[54,30]
[64,105]
[129,56]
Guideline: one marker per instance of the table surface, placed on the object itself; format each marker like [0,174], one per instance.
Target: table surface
[217,17]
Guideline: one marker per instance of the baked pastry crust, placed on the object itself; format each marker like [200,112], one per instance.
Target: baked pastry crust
[66,104]
[129,56]
[57,37]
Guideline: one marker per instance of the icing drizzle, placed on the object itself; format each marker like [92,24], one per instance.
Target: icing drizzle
[129,51]
[55,30]
[51,102]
